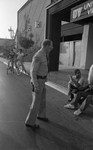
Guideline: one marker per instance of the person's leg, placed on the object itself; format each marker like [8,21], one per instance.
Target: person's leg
[76,100]
[15,62]
[84,105]
[42,109]
[32,114]
[86,102]
[8,63]
[79,95]
[70,92]
[34,109]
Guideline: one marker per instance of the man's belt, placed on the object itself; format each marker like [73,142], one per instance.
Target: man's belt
[41,77]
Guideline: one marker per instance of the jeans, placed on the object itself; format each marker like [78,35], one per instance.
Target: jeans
[81,96]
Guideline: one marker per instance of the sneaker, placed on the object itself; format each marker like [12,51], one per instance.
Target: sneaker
[69,106]
[77,112]
[35,126]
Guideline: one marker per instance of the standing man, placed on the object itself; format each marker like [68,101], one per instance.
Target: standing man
[38,73]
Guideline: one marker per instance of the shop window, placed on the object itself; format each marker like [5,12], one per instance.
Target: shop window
[64,53]
[70,53]
[77,49]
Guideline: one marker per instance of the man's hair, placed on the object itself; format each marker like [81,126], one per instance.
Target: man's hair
[76,70]
[46,42]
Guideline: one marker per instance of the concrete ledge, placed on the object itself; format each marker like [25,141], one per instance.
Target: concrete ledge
[57,87]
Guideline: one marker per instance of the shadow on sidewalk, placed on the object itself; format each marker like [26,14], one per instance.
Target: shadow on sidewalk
[65,138]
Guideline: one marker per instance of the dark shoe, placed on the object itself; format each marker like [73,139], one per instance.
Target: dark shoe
[43,119]
[69,100]
[35,126]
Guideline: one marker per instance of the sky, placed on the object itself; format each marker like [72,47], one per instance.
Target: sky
[8,16]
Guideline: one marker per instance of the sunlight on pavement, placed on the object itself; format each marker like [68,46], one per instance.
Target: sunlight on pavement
[5,63]
[57,87]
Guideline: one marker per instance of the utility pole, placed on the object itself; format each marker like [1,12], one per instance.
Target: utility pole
[11,32]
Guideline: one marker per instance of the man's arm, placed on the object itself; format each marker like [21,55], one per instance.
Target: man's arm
[74,81]
[35,68]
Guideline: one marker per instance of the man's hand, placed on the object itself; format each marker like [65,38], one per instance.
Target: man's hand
[37,89]
[74,81]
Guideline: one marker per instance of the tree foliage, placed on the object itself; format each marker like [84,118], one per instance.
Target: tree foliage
[8,45]
[25,42]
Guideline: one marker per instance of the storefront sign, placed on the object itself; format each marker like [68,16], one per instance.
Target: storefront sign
[82,11]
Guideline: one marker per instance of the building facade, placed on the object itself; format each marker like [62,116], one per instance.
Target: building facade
[31,21]
[68,23]
[70,27]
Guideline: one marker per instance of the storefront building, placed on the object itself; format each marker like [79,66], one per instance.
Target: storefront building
[69,25]
[31,21]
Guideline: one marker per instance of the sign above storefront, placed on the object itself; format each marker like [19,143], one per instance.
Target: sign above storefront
[82,11]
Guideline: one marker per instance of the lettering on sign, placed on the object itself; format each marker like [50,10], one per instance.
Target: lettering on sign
[84,10]
[77,12]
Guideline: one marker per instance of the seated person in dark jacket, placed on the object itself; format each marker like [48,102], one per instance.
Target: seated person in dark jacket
[86,95]
[76,81]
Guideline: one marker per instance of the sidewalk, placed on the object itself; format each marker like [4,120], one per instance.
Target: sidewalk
[63,131]
[57,79]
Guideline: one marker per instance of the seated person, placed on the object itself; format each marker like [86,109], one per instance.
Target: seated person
[75,83]
[89,98]
[86,95]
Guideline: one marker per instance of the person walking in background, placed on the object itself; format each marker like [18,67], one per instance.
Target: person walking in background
[20,57]
[15,50]
[38,73]
[11,58]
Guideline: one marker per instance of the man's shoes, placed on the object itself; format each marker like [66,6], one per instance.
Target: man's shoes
[35,126]
[43,119]
[69,100]
[77,112]
[69,106]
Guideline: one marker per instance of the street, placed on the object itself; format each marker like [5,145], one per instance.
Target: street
[64,131]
